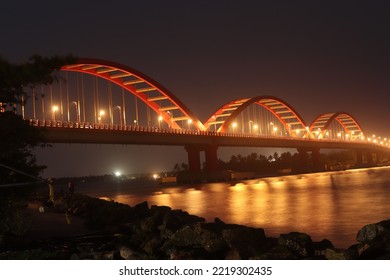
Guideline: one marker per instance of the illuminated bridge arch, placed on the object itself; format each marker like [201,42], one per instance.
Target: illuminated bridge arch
[322,123]
[143,87]
[285,113]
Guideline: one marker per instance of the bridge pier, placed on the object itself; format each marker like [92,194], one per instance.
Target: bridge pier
[313,159]
[211,157]
[366,157]
[193,153]
[359,157]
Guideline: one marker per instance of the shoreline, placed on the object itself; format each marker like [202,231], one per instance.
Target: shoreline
[100,229]
[319,225]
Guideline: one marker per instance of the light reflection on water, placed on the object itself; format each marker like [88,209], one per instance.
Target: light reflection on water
[325,205]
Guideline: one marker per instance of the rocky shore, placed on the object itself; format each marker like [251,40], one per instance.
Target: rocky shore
[143,232]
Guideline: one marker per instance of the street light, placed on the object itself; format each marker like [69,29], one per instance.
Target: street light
[255,127]
[271,124]
[76,110]
[275,129]
[189,123]
[171,116]
[120,114]
[160,118]
[234,125]
[54,109]
[250,127]
[101,114]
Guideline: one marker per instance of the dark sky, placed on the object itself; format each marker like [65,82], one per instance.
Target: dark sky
[319,56]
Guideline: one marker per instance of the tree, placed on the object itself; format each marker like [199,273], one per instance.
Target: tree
[18,165]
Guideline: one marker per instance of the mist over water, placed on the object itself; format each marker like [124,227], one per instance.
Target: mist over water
[331,205]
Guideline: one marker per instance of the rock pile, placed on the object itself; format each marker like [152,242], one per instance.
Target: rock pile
[158,232]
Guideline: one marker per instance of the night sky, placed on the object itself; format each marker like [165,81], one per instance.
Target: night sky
[319,56]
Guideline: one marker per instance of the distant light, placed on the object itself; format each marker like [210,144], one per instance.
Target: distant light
[101,113]
[155,176]
[118,173]
[55,108]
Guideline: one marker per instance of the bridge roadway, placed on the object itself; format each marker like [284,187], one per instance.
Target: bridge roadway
[195,142]
[154,136]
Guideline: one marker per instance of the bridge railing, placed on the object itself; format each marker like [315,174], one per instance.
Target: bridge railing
[152,129]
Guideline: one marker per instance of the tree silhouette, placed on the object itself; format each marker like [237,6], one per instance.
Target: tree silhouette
[18,167]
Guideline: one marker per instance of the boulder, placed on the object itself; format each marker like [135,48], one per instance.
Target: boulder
[176,219]
[337,254]
[233,255]
[278,252]
[246,241]
[374,241]
[189,254]
[319,248]
[128,253]
[378,232]
[152,246]
[141,210]
[299,243]
[199,235]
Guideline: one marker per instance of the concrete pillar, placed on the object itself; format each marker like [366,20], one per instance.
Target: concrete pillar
[316,157]
[303,156]
[359,157]
[193,153]
[211,158]
[370,157]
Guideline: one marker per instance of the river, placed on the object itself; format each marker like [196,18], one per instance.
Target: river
[331,205]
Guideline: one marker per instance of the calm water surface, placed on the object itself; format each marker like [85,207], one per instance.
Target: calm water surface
[332,205]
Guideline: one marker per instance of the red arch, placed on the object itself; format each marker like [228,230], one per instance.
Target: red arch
[285,113]
[349,124]
[140,85]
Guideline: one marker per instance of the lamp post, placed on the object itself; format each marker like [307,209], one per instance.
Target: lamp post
[101,114]
[234,125]
[120,114]
[160,118]
[54,109]
[215,124]
[76,105]
[171,116]
[255,127]
[275,129]
[189,123]
[250,127]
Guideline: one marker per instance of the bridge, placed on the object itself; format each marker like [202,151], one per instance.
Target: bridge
[98,101]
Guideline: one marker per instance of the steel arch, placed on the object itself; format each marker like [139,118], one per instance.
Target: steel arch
[284,112]
[349,124]
[140,85]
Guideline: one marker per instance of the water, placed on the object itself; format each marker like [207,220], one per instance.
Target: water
[332,205]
